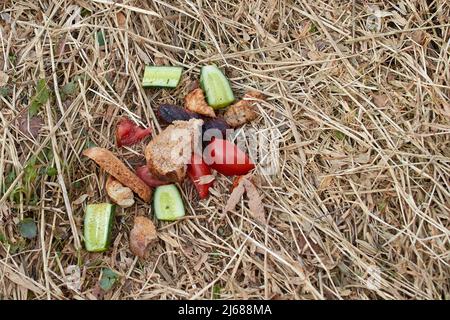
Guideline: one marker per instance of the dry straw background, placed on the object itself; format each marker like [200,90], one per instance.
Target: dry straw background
[359,208]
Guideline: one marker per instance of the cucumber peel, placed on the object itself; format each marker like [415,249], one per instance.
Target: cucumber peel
[161,76]
[97,226]
[216,87]
[167,203]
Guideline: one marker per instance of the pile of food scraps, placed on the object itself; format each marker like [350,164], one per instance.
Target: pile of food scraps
[174,154]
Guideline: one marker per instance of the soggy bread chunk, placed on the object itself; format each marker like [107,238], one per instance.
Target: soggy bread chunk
[195,102]
[121,195]
[169,152]
[244,110]
[111,164]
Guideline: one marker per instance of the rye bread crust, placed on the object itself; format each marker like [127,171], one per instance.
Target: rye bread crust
[169,152]
[111,164]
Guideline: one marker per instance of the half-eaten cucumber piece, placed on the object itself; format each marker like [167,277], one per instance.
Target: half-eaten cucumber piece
[161,76]
[167,203]
[216,87]
[97,226]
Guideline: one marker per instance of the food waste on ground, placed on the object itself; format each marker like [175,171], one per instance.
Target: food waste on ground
[170,160]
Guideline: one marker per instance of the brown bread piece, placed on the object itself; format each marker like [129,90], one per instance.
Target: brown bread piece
[169,152]
[118,193]
[111,164]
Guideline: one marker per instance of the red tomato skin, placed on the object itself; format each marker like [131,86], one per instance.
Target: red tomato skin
[144,174]
[225,157]
[196,169]
[128,133]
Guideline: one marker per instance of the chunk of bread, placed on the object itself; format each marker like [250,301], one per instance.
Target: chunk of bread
[121,195]
[111,164]
[169,152]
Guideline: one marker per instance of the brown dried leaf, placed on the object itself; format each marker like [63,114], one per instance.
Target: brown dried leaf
[142,55]
[142,234]
[235,197]
[254,198]
[30,126]
[419,36]
[254,201]
[195,102]
[255,95]
[61,47]
[306,244]
[325,182]
[110,111]
[121,19]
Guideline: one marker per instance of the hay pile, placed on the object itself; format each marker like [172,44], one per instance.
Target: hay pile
[358,95]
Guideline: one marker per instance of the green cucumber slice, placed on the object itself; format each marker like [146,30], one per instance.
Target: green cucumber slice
[97,226]
[216,87]
[161,76]
[167,203]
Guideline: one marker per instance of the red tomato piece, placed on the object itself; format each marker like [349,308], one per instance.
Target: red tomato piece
[144,174]
[225,157]
[128,133]
[197,169]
